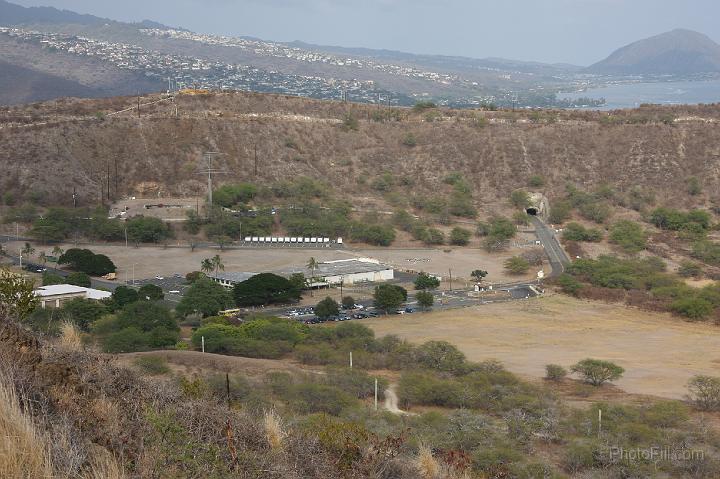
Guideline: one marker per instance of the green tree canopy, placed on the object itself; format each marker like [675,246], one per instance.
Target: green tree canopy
[206,297]
[264,289]
[83,312]
[151,292]
[78,279]
[425,299]
[425,281]
[146,229]
[389,297]
[326,308]
[124,295]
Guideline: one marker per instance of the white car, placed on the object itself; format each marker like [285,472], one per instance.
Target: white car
[159,277]
[174,291]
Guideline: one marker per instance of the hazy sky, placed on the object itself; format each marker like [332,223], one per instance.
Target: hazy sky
[572,31]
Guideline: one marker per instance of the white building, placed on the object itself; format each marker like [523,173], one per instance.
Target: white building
[55,295]
[347,271]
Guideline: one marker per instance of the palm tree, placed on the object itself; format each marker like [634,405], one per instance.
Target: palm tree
[28,250]
[206,266]
[312,265]
[57,253]
[217,264]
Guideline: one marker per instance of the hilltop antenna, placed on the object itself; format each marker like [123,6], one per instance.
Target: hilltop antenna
[210,169]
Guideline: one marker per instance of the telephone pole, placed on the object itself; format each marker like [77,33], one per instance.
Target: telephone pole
[210,169]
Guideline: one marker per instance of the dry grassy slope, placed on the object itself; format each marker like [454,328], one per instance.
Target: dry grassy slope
[68,152]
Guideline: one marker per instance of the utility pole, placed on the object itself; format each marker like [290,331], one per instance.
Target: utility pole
[138,101]
[74,197]
[376,394]
[450,280]
[210,169]
[256,164]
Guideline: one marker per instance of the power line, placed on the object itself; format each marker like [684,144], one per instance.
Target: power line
[210,169]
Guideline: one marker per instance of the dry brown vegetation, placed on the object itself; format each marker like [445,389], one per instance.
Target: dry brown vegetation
[59,145]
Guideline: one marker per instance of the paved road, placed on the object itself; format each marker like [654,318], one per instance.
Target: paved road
[556,255]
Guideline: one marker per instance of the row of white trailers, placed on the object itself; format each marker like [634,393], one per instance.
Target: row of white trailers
[290,240]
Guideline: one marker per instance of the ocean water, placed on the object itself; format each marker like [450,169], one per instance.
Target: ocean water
[664,93]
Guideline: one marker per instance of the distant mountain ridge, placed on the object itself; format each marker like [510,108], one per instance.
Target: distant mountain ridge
[677,52]
[13,14]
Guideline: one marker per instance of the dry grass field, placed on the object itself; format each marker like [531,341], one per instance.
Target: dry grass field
[659,353]
[152,261]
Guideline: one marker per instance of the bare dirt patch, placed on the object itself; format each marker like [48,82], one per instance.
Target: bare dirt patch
[659,352]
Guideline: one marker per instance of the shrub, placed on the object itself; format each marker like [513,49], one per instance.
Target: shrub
[536,181]
[666,414]
[690,269]
[629,235]
[559,212]
[517,265]
[83,312]
[348,302]
[577,232]
[692,308]
[520,199]
[440,356]
[141,229]
[434,237]
[460,236]
[78,279]
[153,365]
[425,299]
[124,295]
[126,340]
[693,186]
[569,285]
[704,392]
[410,140]
[595,211]
[707,251]
[389,296]
[310,398]
[597,372]
[151,292]
[554,372]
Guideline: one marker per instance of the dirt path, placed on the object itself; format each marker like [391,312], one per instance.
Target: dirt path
[659,352]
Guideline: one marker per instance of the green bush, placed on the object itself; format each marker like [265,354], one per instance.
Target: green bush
[153,365]
[440,356]
[425,281]
[311,398]
[690,269]
[326,308]
[536,181]
[692,308]
[675,220]
[569,285]
[595,211]
[234,194]
[577,232]
[666,414]
[205,297]
[85,261]
[554,372]
[629,235]
[520,199]
[83,312]
[559,212]
[389,296]
[141,229]
[126,340]
[151,292]
[517,265]
[707,251]
[460,236]
[704,392]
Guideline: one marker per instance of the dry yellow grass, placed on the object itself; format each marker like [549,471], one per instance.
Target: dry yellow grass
[70,337]
[24,453]
[426,464]
[274,432]
[659,352]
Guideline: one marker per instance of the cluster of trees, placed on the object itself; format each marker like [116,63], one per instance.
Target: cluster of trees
[235,195]
[577,232]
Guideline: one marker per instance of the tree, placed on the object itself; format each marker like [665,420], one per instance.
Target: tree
[207,266]
[78,279]
[43,258]
[693,186]
[348,302]
[536,181]
[151,292]
[222,241]
[389,296]
[123,296]
[217,264]
[27,250]
[206,297]
[57,253]
[312,265]
[50,279]
[141,229]
[460,236]
[704,392]
[83,312]
[425,299]
[17,296]
[694,309]
[577,232]
[517,265]
[479,275]
[298,280]
[264,289]
[326,308]
[86,261]
[597,372]
[425,281]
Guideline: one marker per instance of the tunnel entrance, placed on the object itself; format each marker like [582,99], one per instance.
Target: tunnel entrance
[532,211]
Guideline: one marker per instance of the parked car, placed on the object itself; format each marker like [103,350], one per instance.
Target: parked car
[409,310]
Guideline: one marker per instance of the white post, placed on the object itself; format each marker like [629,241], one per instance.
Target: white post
[376,394]
[133,274]
[203,343]
[599,422]
[350,359]
[20,260]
